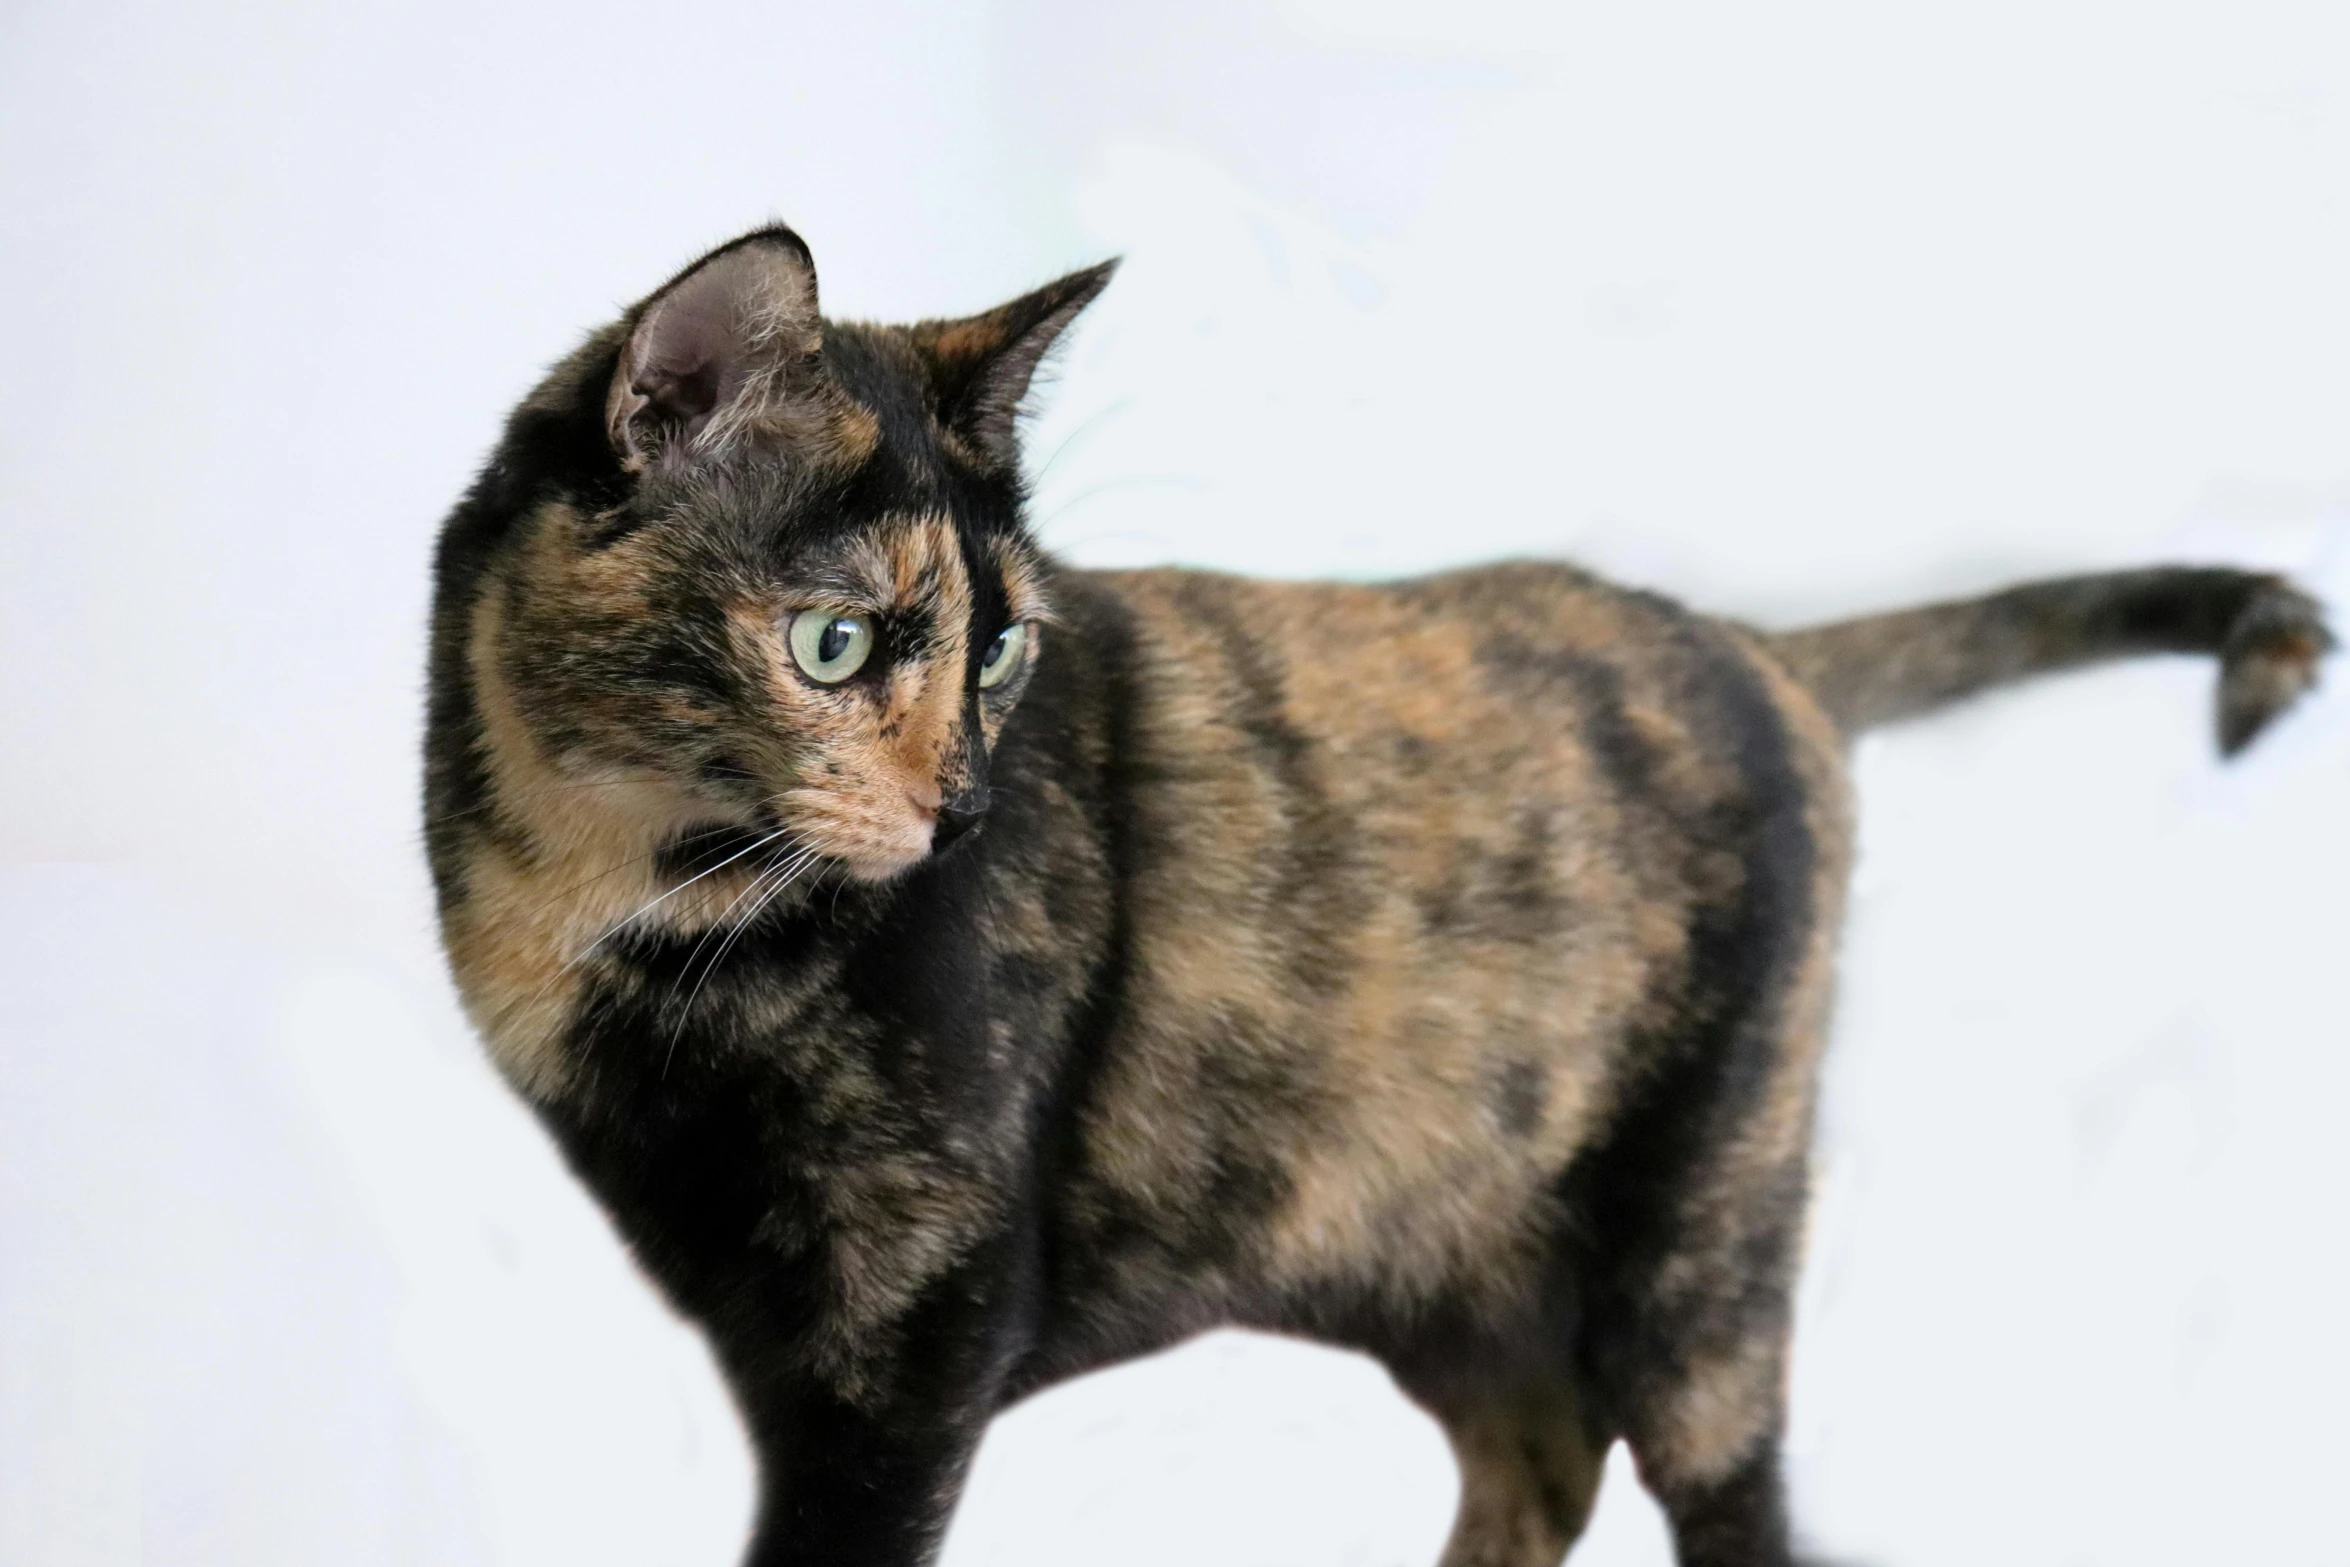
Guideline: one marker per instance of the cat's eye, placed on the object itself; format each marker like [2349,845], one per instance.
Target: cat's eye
[1003,655]
[829,645]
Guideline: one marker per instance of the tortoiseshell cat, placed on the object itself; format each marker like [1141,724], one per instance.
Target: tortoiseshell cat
[955,972]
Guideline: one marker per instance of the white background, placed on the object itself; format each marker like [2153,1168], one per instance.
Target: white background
[1789,310]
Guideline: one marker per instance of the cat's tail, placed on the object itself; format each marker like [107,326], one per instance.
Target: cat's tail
[2267,633]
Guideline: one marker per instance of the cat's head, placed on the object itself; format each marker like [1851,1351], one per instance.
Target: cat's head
[771,576]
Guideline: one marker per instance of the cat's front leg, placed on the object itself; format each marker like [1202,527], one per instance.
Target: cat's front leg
[863,1441]
[847,1487]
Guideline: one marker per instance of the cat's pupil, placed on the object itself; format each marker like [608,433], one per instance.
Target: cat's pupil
[995,649]
[835,641]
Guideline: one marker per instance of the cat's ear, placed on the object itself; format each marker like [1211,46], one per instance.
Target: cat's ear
[981,365]
[718,346]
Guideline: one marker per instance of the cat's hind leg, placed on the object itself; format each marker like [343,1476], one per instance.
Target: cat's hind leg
[1686,1220]
[1689,1329]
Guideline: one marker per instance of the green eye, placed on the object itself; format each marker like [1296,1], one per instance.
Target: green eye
[1003,655]
[829,645]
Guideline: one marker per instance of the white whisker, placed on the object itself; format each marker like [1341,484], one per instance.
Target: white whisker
[785,875]
[719,924]
[644,909]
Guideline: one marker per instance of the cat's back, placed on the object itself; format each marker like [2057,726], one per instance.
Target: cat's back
[1522,684]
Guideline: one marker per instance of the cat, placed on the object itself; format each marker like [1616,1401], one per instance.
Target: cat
[955,972]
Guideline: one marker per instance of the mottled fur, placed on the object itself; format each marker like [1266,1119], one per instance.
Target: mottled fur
[1437,968]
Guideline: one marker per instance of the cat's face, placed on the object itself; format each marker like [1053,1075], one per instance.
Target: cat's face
[800,605]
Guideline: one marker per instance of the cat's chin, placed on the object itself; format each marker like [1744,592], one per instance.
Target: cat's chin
[868,855]
[876,866]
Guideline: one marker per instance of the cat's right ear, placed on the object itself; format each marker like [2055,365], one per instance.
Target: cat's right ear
[715,349]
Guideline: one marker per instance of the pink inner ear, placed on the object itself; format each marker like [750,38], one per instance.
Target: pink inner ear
[701,342]
[679,371]
[690,351]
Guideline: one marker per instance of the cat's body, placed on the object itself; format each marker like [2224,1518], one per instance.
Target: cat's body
[1436,968]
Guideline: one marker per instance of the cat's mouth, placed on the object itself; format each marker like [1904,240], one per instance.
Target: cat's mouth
[866,835]
[825,836]
[736,866]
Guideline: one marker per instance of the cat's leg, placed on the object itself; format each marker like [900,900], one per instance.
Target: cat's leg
[1688,1219]
[1529,1474]
[1694,1353]
[863,1447]
[1692,1218]
[1529,1455]
[845,1486]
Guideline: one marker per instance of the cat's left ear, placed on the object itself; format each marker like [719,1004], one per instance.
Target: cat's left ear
[981,365]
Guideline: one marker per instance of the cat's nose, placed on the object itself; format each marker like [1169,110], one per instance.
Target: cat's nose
[958,816]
